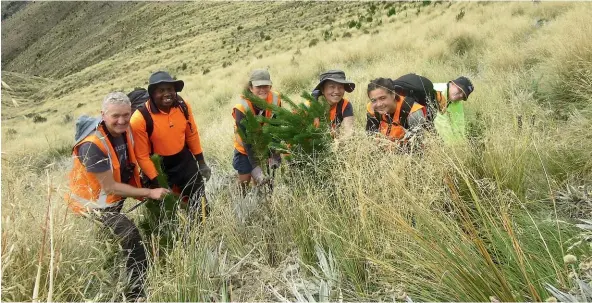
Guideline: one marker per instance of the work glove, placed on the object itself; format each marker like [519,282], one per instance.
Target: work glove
[257,175]
[205,171]
[153,183]
[275,160]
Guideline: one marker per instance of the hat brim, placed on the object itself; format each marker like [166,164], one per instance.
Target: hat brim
[348,85]
[178,84]
[261,83]
[462,88]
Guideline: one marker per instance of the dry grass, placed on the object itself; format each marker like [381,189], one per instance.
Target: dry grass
[488,198]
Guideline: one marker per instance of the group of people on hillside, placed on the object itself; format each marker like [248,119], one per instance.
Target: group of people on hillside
[386,114]
[112,153]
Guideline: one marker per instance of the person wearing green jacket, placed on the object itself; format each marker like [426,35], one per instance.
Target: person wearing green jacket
[450,120]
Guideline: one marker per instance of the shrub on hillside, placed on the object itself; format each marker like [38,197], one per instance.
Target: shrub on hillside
[39,119]
[347,35]
[313,42]
[67,119]
[391,12]
[460,15]
[462,43]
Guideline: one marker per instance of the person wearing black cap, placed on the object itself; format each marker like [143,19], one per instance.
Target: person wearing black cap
[331,89]
[165,126]
[450,121]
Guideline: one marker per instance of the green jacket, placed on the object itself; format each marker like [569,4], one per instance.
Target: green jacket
[451,124]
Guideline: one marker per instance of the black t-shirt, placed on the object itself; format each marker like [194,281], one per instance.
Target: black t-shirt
[349,110]
[96,161]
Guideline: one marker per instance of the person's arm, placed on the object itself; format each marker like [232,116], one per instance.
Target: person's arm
[239,116]
[416,121]
[413,135]
[347,125]
[372,124]
[111,187]
[142,145]
[97,163]
[192,137]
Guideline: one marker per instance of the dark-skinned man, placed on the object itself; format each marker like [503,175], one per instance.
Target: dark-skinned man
[165,126]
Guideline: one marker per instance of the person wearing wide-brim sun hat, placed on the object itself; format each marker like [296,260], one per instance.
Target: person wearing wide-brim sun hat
[331,89]
[450,120]
[165,126]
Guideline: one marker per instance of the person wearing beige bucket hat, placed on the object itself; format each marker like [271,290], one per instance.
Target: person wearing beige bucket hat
[244,161]
[331,89]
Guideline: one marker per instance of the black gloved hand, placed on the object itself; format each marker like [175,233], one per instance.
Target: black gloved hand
[154,183]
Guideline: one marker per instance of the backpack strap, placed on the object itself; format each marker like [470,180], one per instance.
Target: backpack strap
[149,124]
[185,110]
[339,112]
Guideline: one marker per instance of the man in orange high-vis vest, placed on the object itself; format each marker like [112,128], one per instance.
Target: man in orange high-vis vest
[244,160]
[104,173]
[165,126]
[384,112]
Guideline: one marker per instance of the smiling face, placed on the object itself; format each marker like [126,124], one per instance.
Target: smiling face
[117,118]
[164,95]
[333,91]
[455,93]
[383,102]
[260,91]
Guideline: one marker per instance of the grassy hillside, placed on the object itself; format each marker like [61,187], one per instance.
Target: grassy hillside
[493,218]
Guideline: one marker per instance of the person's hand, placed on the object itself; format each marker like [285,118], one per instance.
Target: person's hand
[205,171]
[274,161]
[158,193]
[257,175]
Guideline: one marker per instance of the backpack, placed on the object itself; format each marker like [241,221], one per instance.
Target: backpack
[138,98]
[85,125]
[418,89]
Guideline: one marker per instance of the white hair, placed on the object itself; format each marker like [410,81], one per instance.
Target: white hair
[117,98]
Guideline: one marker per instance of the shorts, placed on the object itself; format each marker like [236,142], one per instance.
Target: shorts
[241,163]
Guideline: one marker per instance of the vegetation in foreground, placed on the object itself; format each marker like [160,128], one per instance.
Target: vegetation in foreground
[493,219]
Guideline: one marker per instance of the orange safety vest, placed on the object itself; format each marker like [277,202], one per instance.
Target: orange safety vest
[393,129]
[85,190]
[332,113]
[243,106]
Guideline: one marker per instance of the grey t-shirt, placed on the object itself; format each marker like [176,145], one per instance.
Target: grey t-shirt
[96,161]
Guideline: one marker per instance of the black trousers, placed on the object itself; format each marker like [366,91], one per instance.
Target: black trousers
[128,235]
[182,172]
